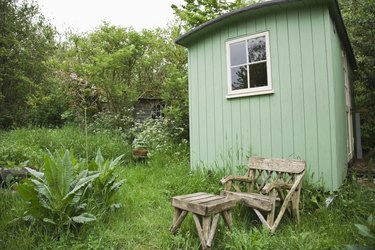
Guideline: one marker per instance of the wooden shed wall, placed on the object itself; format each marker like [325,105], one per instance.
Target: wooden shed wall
[299,120]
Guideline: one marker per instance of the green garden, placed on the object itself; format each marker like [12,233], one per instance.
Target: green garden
[67,118]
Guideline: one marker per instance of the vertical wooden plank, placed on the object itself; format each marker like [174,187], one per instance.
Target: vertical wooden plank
[337,102]
[227,105]
[241,115]
[340,111]
[209,102]
[219,91]
[308,76]
[248,144]
[254,118]
[194,106]
[296,85]
[264,107]
[322,96]
[285,82]
[202,117]
[275,101]
[235,114]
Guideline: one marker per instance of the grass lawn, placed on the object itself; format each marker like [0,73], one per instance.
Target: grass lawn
[145,216]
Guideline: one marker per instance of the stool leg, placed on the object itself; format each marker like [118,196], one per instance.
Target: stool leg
[213,229]
[206,227]
[178,218]
[201,234]
[227,216]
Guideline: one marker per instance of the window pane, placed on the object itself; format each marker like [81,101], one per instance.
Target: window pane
[257,49]
[239,77]
[238,53]
[258,75]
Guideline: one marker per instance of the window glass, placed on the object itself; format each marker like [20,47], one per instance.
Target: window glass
[257,49]
[238,53]
[249,66]
[258,75]
[239,77]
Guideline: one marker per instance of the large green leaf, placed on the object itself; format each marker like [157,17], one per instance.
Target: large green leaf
[99,158]
[36,174]
[365,231]
[84,218]
[81,183]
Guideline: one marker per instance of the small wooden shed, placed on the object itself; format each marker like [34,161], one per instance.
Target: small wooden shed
[274,80]
[147,108]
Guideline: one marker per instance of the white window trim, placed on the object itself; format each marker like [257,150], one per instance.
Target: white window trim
[249,91]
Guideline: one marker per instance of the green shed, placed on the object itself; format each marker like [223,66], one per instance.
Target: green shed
[273,80]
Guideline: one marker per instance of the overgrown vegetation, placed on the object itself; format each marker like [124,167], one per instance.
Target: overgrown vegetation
[51,92]
[146,213]
[21,145]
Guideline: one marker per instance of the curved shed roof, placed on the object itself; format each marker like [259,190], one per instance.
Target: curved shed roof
[254,9]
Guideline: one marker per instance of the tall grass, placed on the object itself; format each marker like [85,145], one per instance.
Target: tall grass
[146,214]
[29,144]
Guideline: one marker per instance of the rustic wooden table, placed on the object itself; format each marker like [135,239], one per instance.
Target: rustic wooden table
[206,209]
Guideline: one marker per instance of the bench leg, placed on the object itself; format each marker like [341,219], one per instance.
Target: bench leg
[178,218]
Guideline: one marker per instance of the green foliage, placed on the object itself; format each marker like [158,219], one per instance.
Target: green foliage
[359,17]
[106,185]
[48,103]
[58,194]
[370,167]
[107,122]
[26,43]
[246,239]
[143,221]
[157,135]
[195,12]
[146,214]
[20,145]
[68,192]
[369,229]
[175,94]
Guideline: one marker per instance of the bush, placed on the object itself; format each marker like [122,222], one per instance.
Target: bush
[66,192]
[107,122]
[157,135]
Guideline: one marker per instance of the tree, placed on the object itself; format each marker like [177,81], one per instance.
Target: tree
[359,17]
[195,12]
[26,43]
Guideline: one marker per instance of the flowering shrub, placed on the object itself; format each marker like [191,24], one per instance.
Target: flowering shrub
[106,122]
[156,134]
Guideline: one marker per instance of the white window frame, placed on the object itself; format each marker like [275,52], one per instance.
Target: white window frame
[249,91]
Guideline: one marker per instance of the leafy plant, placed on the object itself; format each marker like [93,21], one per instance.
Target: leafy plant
[368,231]
[106,185]
[57,195]
[370,167]
[156,135]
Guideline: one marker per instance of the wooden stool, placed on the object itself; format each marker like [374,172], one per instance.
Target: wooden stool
[203,206]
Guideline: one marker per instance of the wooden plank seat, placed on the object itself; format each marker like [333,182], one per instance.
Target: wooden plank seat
[206,209]
[269,186]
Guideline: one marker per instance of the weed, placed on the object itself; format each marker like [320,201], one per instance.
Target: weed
[144,219]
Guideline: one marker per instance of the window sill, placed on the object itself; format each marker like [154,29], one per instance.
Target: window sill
[253,93]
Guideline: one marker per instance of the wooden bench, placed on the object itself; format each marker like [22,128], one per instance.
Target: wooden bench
[269,185]
[206,209]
